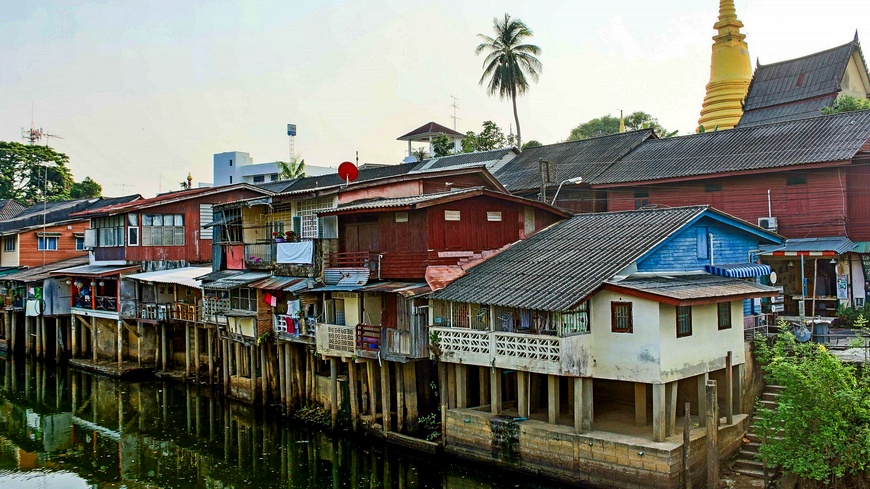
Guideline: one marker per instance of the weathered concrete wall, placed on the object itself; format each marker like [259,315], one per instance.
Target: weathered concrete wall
[605,459]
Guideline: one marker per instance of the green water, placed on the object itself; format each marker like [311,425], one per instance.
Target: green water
[63,428]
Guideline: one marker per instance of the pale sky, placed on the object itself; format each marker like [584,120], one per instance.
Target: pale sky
[145,92]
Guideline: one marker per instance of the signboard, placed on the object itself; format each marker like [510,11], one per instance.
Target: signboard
[843,287]
[291,129]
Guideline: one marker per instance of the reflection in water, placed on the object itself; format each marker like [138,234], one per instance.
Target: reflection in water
[66,428]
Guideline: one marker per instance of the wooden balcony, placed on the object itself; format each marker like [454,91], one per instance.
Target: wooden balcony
[168,311]
[371,341]
[542,354]
[396,265]
[334,340]
[259,255]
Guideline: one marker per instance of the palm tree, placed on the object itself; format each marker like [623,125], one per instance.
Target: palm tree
[291,171]
[509,62]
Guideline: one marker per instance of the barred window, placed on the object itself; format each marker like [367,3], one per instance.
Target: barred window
[162,230]
[307,210]
[110,231]
[621,318]
[724,313]
[684,321]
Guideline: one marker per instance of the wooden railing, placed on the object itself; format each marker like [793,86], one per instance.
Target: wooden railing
[368,337]
[107,303]
[352,259]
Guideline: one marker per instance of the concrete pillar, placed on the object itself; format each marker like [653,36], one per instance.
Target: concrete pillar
[553,399]
[119,337]
[588,404]
[702,398]
[523,393]
[483,376]
[737,388]
[577,388]
[671,407]
[495,390]
[210,340]
[729,389]
[252,357]
[461,372]
[640,404]
[94,325]
[186,351]
[659,417]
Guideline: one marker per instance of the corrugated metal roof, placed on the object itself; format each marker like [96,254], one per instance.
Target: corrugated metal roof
[93,270]
[837,244]
[288,284]
[181,276]
[462,160]
[218,274]
[10,208]
[406,201]
[799,79]
[333,180]
[406,289]
[694,286]
[788,112]
[585,158]
[430,129]
[559,266]
[38,274]
[815,140]
[233,281]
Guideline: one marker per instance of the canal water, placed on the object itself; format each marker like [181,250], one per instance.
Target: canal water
[64,428]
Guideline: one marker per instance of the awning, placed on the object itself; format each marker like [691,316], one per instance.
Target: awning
[832,246]
[38,274]
[287,284]
[219,274]
[689,289]
[337,288]
[180,276]
[234,281]
[739,270]
[93,270]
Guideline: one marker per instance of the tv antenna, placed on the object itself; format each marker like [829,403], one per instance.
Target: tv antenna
[454,111]
[34,135]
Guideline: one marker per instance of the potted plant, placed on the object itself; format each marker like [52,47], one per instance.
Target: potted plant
[290,235]
[277,237]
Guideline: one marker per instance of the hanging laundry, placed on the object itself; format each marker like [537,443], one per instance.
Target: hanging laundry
[270,299]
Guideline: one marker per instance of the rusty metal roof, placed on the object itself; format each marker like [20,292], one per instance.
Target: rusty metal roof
[406,289]
[233,281]
[38,274]
[182,276]
[287,284]
[93,270]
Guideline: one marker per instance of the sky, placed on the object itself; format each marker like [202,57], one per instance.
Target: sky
[141,93]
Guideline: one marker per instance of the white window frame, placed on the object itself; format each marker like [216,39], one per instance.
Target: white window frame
[41,243]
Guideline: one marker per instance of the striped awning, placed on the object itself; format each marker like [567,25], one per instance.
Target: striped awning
[739,270]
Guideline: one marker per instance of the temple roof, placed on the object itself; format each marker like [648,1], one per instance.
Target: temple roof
[428,130]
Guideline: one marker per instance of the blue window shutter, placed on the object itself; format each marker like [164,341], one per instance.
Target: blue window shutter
[703,245]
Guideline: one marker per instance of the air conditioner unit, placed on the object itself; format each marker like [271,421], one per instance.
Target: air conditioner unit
[768,223]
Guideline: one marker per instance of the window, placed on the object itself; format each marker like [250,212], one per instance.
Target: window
[684,321]
[713,187]
[162,230]
[273,177]
[231,164]
[796,180]
[701,244]
[231,177]
[9,243]
[402,216]
[259,178]
[133,229]
[307,210]
[80,243]
[110,231]
[724,313]
[46,243]
[493,216]
[641,199]
[621,320]
[243,298]
[452,216]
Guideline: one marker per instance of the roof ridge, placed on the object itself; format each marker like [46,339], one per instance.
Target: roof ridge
[852,42]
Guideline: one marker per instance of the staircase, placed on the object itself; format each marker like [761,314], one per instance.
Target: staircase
[746,461]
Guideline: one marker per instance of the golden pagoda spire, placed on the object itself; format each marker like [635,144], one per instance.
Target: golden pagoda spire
[730,72]
[621,122]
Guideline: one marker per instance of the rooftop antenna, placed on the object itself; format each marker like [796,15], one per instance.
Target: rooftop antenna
[454,111]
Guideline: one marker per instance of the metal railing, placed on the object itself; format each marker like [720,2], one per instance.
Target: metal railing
[259,254]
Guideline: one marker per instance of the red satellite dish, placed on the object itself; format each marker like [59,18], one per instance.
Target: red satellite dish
[348,171]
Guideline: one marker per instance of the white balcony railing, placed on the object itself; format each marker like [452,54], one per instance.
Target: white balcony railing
[532,353]
[335,340]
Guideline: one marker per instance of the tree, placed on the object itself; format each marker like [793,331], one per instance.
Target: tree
[846,103]
[291,171]
[532,144]
[30,172]
[490,137]
[820,429]
[442,145]
[420,153]
[469,144]
[509,62]
[606,125]
[86,189]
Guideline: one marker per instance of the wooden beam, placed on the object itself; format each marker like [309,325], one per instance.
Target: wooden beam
[712,435]
[385,395]
[186,351]
[333,390]
[461,372]
[495,385]
[553,399]
[659,425]
[702,398]
[354,396]
[729,388]
[411,395]
[129,327]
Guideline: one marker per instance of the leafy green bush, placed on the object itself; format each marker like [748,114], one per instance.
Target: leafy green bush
[849,314]
[820,430]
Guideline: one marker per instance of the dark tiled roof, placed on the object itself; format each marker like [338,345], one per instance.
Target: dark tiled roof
[176,196]
[10,208]
[38,274]
[333,180]
[787,112]
[478,158]
[558,267]
[814,140]
[58,211]
[798,79]
[430,129]
[585,158]
[276,186]
[408,201]
[693,286]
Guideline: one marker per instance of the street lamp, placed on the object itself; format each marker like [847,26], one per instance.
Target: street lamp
[574,180]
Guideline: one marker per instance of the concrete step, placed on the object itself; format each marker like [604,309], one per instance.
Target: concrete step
[770,396]
[774,388]
[756,473]
[765,404]
[757,438]
[748,465]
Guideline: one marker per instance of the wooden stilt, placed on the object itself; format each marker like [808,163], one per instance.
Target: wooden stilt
[659,413]
[373,398]
[712,435]
[461,371]
[264,373]
[288,376]
[495,390]
[13,326]
[729,389]
[702,398]
[411,395]
[400,398]
[58,337]
[553,399]
[94,325]
[523,393]
[354,395]
[588,404]
[164,350]
[186,351]
[119,336]
[333,391]
[209,335]
[282,395]
[385,395]
[671,406]
[196,352]
[578,404]
[483,382]
[226,365]
[252,356]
